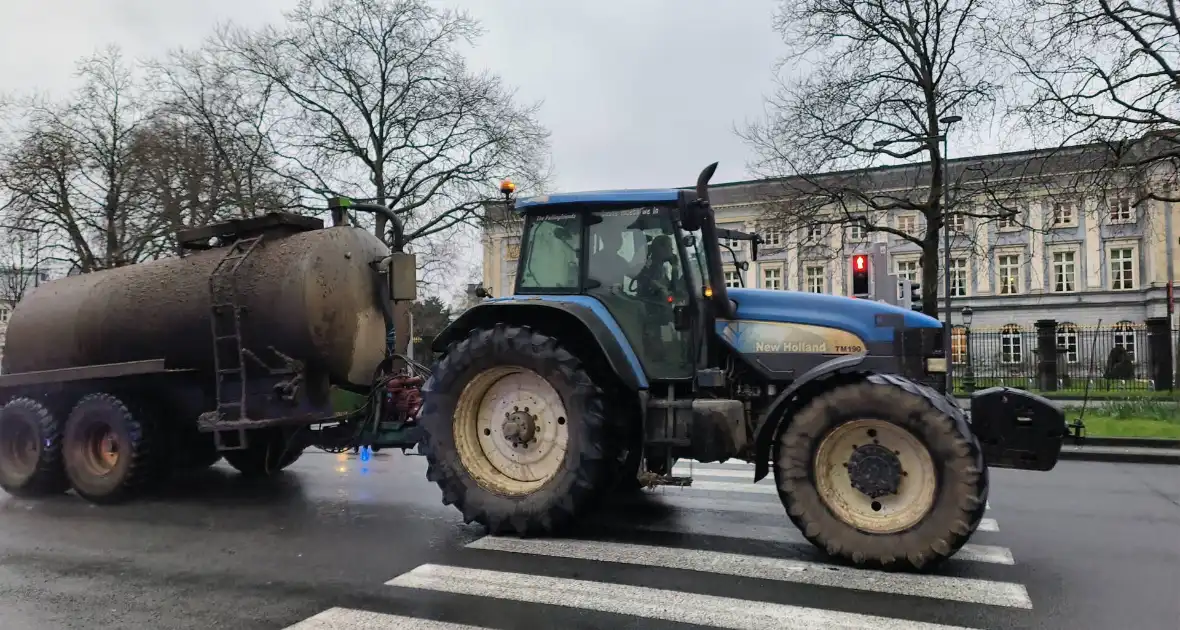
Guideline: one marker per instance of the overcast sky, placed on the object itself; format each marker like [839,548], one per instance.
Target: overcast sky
[637,93]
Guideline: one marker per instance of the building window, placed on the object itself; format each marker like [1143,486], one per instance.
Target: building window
[959,277]
[958,345]
[1122,268]
[1064,214]
[958,223]
[1065,272]
[856,233]
[512,251]
[1124,338]
[815,279]
[1067,341]
[732,279]
[908,223]
[4,314]
[908,269]
[1008,266]
[1011,221]
[1120,210]
[772,238]
[815,233]
[1011,344]
[772,278]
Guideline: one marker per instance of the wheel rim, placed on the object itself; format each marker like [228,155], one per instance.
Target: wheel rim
[99,449]
[875,476]
[20,447]
[511,430]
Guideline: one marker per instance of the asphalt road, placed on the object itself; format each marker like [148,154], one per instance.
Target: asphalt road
[341,543]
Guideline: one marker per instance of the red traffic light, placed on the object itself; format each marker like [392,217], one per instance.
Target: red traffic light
[860,262]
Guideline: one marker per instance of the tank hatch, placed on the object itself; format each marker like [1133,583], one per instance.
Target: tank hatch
[273,223]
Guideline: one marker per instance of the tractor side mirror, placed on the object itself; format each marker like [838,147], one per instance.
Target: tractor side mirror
[403,277]
[681,317]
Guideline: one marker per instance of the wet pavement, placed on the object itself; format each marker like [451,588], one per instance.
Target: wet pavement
[341,543]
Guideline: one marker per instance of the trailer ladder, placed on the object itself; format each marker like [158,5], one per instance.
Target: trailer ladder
[229,360]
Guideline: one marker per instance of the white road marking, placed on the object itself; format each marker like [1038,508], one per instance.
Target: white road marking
[797,571]
[672,497]
[348,619]
[640,601]
[746,472]
[771,533]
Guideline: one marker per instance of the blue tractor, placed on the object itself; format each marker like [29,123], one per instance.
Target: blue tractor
[623,351]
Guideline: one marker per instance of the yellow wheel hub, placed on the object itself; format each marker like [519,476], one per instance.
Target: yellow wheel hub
[875,476]
[511,430]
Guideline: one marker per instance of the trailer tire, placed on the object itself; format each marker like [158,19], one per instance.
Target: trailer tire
[267,453]
[940,483]
[30,450]
[97,423]
[573,455]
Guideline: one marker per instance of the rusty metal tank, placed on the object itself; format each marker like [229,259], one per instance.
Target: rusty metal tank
[312,295]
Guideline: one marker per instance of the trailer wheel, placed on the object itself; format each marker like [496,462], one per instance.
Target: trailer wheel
[514,432]
[108,451]
[883,472]
[30,450]
[266,453]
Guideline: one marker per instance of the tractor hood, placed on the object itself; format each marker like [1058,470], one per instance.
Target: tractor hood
[860,317]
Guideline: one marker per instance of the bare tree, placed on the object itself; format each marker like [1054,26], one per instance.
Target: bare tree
[880,81]
[72,171]
[375,96]
[21,253]
[206,112]
[1107,73]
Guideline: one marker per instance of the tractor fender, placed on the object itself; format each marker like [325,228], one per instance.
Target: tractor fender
[782,403]
[561,317]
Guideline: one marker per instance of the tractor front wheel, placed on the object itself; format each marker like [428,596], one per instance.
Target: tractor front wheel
[883,472]
[515,433]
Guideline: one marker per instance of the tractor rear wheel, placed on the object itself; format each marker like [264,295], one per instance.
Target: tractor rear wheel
[882,472]
[515,432]
[30,450]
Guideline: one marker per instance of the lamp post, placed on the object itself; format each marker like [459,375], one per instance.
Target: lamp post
[946,235]
[969,376]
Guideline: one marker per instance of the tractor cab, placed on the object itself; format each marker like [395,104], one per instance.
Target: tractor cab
[650,258]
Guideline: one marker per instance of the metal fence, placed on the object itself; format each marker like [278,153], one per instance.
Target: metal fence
[1107,358]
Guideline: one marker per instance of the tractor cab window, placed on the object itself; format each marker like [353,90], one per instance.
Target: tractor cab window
[551,251]
[634,268]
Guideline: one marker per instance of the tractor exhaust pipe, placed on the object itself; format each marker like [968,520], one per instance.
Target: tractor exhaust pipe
[721,301]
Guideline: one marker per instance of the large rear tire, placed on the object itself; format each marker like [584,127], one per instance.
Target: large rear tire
[515,434]
[882,472]
[108,451]
[30,450]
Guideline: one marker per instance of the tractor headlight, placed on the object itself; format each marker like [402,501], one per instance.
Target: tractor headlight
[936,364]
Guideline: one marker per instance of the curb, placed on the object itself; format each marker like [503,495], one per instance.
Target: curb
[1121,454]
[1129,442]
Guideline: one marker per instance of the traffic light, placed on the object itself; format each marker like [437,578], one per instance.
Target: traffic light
[915,296]
[861,286]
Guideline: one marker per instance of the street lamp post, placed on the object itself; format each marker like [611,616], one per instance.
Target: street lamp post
[969,377]
[946,244]
[946,235]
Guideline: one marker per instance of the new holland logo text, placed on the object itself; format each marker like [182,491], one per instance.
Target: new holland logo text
[796,346]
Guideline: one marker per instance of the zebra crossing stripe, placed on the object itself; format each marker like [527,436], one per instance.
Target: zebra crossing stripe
[645,602]
[349,619]
[949,588]
[970,553]
[679,498]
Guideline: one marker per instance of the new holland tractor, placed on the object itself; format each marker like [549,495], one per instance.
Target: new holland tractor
[622,351]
